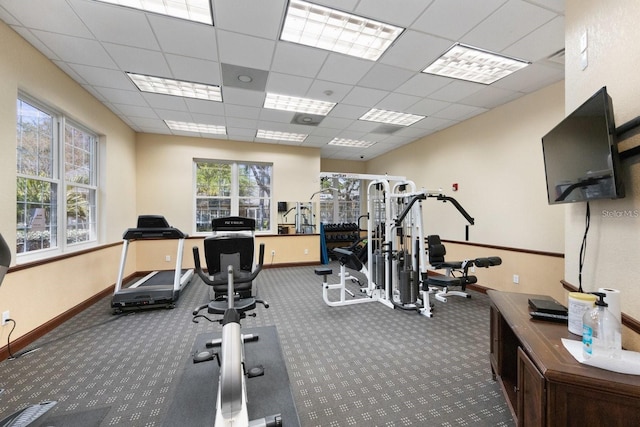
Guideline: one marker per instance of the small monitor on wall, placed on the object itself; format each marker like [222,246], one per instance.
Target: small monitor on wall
[581,156]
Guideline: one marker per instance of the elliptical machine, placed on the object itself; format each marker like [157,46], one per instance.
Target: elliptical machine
[231,403]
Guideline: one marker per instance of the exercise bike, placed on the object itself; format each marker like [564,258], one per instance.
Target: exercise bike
[231,403]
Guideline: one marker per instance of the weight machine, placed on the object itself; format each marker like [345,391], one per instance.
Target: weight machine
[395,264]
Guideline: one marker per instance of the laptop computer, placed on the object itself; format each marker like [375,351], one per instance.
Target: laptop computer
[549,306]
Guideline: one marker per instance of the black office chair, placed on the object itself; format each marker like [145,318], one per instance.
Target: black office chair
[5,258]
[456,272]
[232,243]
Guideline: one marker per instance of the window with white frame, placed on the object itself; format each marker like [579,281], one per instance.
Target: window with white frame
[232,189]
[340,200]
[56,181]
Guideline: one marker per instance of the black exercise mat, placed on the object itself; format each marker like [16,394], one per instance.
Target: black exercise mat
[88,418]
[195,397]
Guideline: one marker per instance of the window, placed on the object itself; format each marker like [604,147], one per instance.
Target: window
[232,189]
[56,180]
[340,203]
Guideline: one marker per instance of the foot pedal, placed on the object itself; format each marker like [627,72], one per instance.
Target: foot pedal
[256,371]
[204,356]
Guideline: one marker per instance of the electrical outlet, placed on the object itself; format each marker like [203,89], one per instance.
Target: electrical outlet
[5,317]
[306,251]
[167,258]
[273,252]
[516,279]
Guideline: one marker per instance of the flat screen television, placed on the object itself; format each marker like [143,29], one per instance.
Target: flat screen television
[581,155]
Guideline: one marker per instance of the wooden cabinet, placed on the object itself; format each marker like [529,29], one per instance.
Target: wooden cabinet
[543,384]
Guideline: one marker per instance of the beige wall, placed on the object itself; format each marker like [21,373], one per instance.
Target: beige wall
[613,244]
[36,295]
[165,177]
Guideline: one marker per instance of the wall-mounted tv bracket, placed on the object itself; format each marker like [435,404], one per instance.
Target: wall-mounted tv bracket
[625,131]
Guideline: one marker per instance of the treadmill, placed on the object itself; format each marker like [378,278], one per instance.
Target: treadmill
[158,288]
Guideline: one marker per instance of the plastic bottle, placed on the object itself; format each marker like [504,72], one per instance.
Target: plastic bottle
[601,332]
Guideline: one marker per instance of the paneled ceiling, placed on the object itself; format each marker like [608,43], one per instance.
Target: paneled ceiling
[97,43]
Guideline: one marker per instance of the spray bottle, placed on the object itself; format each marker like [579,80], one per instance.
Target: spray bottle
[601,332]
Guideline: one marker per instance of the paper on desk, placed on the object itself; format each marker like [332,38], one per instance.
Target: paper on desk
[629,362]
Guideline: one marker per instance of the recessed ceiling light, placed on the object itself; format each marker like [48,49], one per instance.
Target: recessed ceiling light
[176,87]
[301,105]
[391,117]
[192,10]
[351,143]
[474,65]
[196,127]
[318,26]
[245,79]
[281,136]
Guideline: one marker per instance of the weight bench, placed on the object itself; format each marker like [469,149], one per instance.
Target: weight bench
[347,258]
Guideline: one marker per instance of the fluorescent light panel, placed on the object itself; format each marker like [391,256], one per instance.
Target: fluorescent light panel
[351,143]
[318,26]
[300,105]
[281,136]
[196,127]
[192,10]
[391,117]
[176,87]
[475,65]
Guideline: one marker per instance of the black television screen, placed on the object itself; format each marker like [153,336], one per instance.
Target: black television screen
[581,156]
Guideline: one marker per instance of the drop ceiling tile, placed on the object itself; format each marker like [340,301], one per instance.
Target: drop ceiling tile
[76,50]
[66,20]
[490,97]
[279,116]
[185,38]
[335,123]
[397,102]
[364,97]
[346,111]
[443,17]
[205,107]
[137,111]
[126,97]
[556,5]
[209,119]
[246,17]
[103,77]
[71,72]
[401,15]
[138,60]
[507,25]
[427,107]
[328,91]
[414,51]
[423,84]
[434,123]
[132,28]
[291,58]
[531,78]
[540,43]
[459,112]
[250,98]
[343,69]
[455,91]
[165,102]
[34,41]
[243,50]
[385,77]
[241,123]
[287,84]
[242,111]
[194,70]
[7,17]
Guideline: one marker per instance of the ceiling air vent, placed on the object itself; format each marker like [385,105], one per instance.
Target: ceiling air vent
[307,119]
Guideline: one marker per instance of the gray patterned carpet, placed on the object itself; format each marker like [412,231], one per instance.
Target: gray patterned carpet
[364,364]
